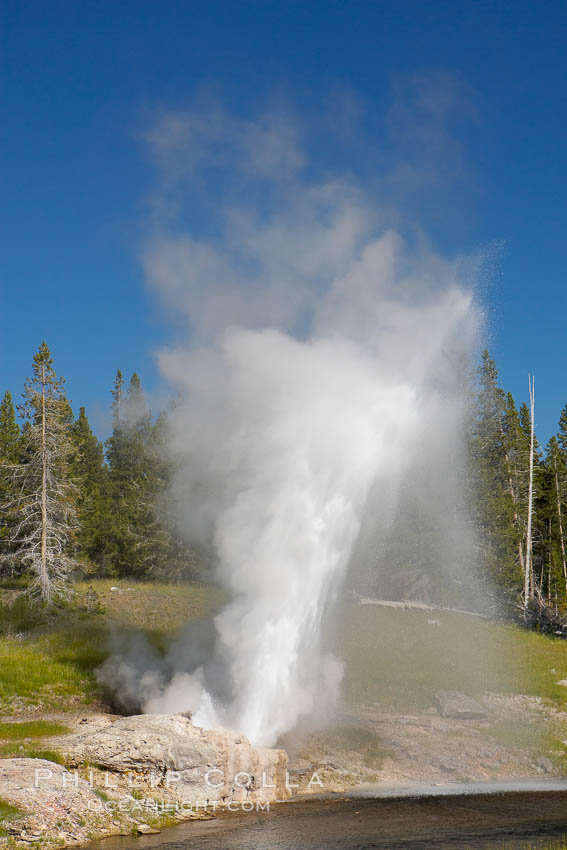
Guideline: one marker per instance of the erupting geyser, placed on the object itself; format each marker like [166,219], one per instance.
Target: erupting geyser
[305,428]
[323,360]
[282,440]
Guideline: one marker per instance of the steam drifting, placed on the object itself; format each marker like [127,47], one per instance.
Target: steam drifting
[321,364]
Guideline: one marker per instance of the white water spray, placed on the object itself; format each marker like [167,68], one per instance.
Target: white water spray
[327,365]
[282,440]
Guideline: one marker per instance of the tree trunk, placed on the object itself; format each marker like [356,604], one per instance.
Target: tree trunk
[44,574]
[528,577]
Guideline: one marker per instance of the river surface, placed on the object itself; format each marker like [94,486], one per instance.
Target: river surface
[473,819]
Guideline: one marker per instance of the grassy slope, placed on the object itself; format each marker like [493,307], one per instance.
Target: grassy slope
[393,657]
[402,659]
[48,662]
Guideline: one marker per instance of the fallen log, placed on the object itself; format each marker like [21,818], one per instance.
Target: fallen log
[406,605]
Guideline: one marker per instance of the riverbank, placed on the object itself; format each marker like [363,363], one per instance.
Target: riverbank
[480,815]
[514,820]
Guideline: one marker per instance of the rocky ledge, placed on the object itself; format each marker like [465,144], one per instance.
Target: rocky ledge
[169,751]
[133,774]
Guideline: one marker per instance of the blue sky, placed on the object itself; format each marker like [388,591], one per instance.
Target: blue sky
[483,160]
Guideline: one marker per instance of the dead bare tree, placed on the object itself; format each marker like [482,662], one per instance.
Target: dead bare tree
[510,475]
[41,504]
[528,576]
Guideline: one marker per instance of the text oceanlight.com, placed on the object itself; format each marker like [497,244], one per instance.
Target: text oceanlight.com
[126,805]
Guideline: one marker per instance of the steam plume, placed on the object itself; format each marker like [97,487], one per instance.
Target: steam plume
[322,364]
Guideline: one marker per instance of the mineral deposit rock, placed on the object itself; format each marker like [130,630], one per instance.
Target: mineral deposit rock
[197,764]
[459,706]
[50,798]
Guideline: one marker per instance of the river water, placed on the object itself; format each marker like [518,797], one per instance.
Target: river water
[475,820]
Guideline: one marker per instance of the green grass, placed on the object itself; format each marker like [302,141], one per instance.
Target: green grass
[48,755]
[31,729]
[397,658]
[29,751]
[18,615]
[35,672]
[7,812]
[48,657]
[23,740]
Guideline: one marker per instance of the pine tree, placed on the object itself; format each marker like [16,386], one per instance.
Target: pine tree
[42,506]
[130,480]
[141,536]
[562,433]
[117,399]
[494,501]
[555,512]
[111,552]
[9,455]
[90,475]
[551,512]
[169,556]
[9,430]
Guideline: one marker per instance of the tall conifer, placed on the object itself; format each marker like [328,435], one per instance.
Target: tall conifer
[42,502]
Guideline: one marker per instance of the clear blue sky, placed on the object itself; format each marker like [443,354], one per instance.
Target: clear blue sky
[82,81]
